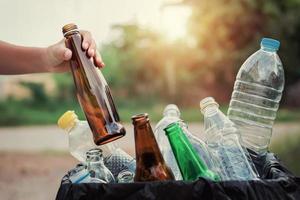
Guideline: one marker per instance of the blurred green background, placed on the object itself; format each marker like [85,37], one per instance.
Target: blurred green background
[147,70]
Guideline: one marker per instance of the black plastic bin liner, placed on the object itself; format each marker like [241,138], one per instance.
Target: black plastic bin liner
[278,183]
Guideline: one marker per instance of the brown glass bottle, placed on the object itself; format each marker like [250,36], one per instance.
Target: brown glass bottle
[92,91]
[150,165]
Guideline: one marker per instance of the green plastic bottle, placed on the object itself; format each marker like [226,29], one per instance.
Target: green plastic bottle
[191,165]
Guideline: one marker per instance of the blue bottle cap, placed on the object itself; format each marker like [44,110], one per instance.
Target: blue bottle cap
[270,43]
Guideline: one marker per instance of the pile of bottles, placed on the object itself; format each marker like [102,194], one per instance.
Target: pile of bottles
[171,151]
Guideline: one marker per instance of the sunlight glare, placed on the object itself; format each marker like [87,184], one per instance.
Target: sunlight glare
[174,21]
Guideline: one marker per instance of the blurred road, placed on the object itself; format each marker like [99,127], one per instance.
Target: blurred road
[34,159]
[51,138]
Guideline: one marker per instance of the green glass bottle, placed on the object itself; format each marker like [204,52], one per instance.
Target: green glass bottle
[189,162]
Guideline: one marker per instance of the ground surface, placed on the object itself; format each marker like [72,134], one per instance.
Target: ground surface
[33,159]
[32,176]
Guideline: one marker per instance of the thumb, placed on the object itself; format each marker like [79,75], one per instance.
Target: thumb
[61,52]
[67,54]
[58,53]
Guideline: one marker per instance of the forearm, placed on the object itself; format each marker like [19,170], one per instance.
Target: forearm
[55,58]
[22,60]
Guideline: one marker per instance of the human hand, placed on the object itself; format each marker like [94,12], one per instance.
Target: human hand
[58,55]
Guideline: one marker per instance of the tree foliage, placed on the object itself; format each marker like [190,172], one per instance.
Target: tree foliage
[228,31]
[225,32]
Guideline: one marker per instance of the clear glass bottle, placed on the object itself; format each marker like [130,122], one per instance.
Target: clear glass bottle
[79,174]
[125,177]
[222,139]
[96,167]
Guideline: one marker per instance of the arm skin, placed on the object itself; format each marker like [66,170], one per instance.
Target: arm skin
[24,60]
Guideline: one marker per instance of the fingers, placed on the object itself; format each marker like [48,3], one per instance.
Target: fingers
[57,55]
[91,50]
[89,44]
[87,40]
[98,60]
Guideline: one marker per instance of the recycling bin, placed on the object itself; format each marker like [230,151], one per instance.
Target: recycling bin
[276,182]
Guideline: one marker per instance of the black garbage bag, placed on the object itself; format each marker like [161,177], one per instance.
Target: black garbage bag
[276,183]
[268,166]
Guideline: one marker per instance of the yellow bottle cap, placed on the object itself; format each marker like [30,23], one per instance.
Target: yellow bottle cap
[67,120]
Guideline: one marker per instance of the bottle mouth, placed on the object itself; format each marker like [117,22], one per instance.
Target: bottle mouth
[125,176]
[69,28]
[94,153]
[270,44]
[171,109]
[140,118]
[171,128]
[208,101]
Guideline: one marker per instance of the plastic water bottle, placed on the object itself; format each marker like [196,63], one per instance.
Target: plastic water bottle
[172,114]
[80,136]
[256,96]
[81,141]
[120,162]
[222,139]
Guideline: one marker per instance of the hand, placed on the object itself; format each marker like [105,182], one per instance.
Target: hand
[58,55]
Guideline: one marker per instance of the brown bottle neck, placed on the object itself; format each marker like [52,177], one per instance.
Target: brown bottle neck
[70,29]
[70,33]
[145,142]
